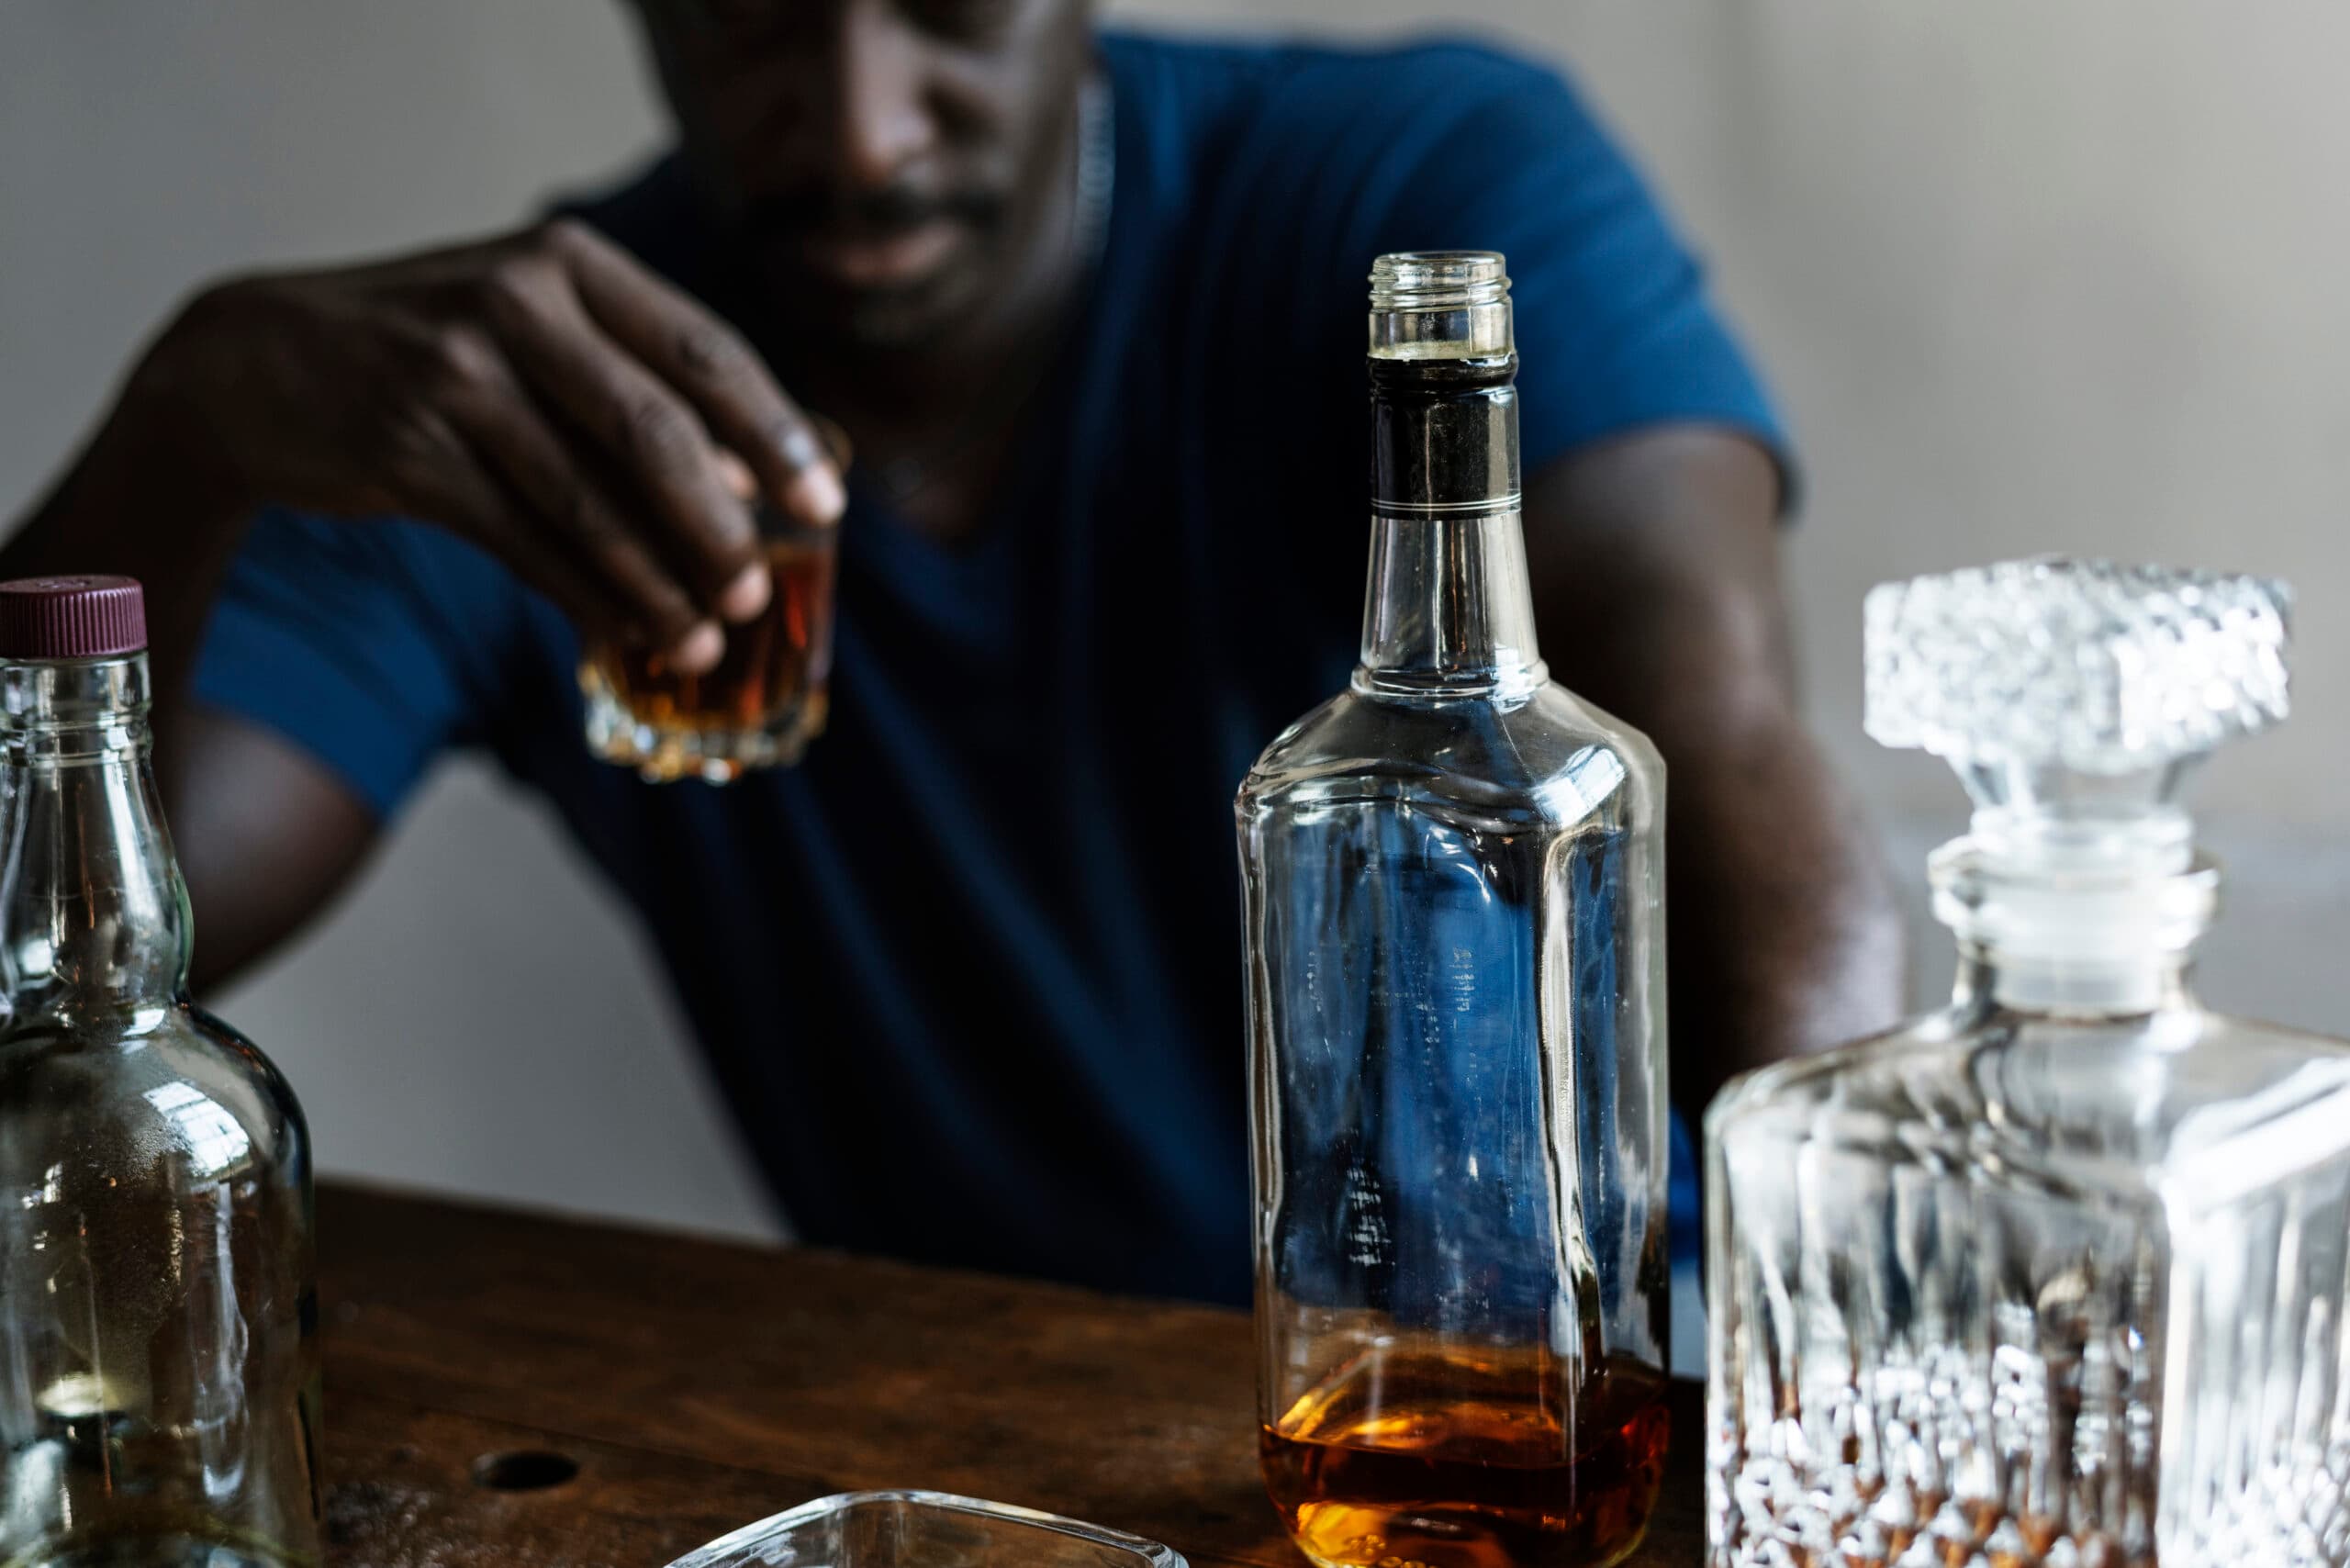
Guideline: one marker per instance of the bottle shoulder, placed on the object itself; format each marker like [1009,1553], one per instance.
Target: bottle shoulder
[1547,757]
[175,1085]
[2123,1105]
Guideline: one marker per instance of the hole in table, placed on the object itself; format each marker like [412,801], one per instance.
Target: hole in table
[524,1470]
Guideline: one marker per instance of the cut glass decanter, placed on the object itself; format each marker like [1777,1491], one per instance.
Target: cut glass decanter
[2056,1274]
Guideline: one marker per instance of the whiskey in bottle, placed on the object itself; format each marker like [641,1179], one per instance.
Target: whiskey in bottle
[1455,1457]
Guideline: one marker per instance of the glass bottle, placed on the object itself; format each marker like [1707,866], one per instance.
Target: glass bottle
[2056,1274]
[158,1364]
[1452,893]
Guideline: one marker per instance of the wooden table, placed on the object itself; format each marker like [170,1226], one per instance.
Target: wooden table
[697,1386]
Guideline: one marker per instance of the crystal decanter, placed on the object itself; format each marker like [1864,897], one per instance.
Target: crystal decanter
[2056,1274]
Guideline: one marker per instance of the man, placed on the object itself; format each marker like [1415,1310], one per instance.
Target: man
[1088,309]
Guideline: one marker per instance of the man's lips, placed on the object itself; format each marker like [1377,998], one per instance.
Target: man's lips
[881,261]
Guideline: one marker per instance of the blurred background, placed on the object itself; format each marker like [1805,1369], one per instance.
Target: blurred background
[2025,276]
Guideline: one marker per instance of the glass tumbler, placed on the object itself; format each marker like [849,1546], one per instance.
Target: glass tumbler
[762,704]
[925,1529]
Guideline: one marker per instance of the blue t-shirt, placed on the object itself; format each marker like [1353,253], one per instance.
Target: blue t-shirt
[969,975]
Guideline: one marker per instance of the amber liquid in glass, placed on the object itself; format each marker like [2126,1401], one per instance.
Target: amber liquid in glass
[1457,1461]
[760,706]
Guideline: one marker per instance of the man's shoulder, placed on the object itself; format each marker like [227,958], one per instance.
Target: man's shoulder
[1324,147]
[1324,79]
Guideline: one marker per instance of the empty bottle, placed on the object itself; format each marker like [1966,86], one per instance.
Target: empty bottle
[157,1358]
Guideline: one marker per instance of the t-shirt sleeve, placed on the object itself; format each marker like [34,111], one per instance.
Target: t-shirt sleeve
[372,646]
[1615,325]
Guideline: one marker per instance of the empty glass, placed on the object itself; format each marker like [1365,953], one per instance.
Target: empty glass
[925,1529]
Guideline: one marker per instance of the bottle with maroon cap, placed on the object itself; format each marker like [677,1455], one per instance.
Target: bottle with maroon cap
[157,1358]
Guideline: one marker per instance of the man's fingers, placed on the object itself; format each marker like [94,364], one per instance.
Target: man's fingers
[639,426]
[709,362]
[747,595]
[577,533]
[466,494]
[737,475]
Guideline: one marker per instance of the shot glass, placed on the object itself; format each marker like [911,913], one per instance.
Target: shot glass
[762,704]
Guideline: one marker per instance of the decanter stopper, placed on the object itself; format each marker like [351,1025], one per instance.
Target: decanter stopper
[2071,690]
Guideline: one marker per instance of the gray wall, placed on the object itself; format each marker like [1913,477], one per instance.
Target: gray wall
[2027,276]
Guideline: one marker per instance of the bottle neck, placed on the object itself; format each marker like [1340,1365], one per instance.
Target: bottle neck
[2028,982]
[93,915]
[2080,939]
[1448,611]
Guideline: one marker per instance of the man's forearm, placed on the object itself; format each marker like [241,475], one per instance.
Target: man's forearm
[265,834]
[1656,564]
[1784,934]
[1783,937]
[140,499]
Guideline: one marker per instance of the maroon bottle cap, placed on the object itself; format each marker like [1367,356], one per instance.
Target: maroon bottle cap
[71,618]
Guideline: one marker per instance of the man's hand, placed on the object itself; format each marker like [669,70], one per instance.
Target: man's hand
[542,395]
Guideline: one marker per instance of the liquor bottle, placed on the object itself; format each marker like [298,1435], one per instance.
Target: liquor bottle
[158,1364]
[2055,1275]
[1452,896]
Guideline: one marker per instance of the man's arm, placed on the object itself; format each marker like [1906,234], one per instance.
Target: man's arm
[540,395]
[265,834]
[1655,559]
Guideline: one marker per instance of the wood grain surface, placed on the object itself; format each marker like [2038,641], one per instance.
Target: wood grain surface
[510,1389]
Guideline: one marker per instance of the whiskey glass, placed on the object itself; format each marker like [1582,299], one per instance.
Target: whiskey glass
[758,708]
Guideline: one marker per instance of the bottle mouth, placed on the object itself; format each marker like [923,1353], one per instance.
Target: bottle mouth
[1439,305]
[79,705]
[1438,280]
